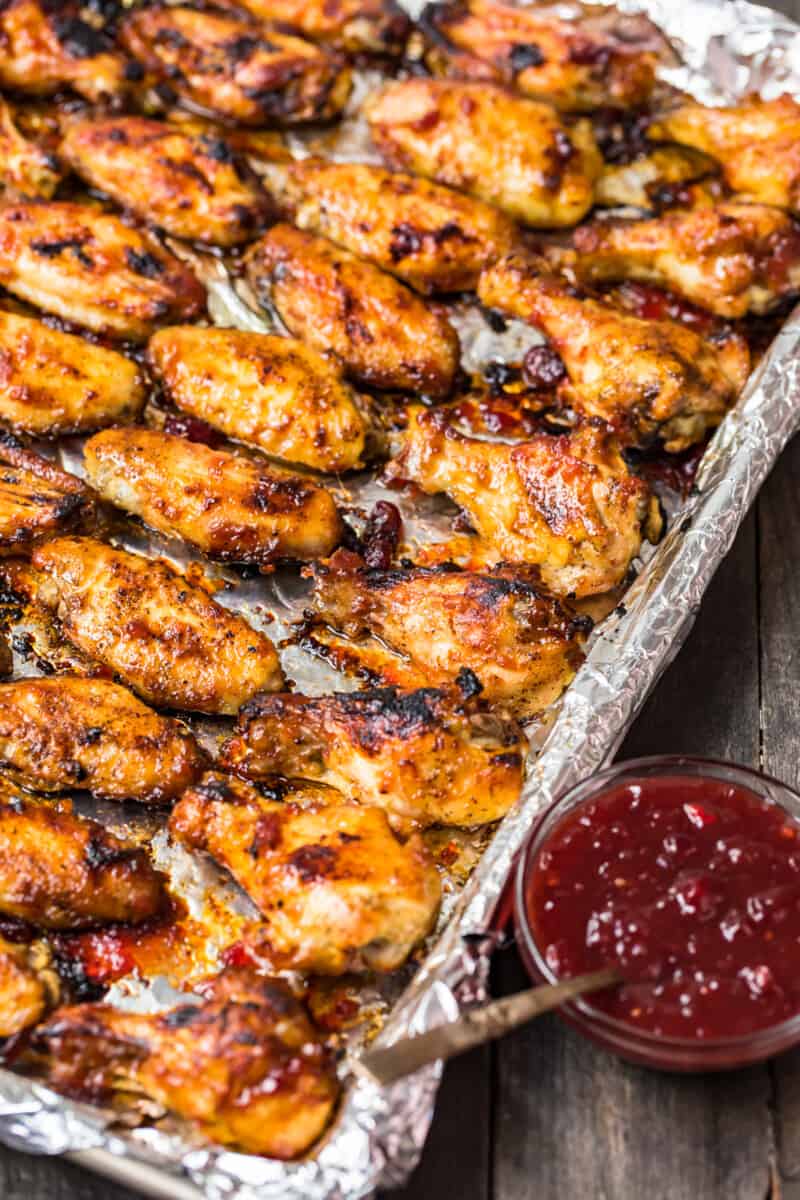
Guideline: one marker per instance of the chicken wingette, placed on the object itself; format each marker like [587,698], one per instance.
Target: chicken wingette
[659,177]
[646,378]
[193,187]
[433,238]
[92,268]
[26,169]
[167,639]
[28,986]
[506,150]
[430,756]
[230,507]
[65,732]
[336,889]
[384,334]
[354,26]
[235,68]
[54,383]
[245,1066]
[37,499]
[270,392]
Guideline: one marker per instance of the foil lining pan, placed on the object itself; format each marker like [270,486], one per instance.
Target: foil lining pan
[723,49]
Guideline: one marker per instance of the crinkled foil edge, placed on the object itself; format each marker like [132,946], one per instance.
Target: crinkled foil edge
[726,48]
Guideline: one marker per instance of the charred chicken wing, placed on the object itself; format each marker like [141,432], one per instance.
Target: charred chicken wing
[235,68]
[231,507]
[245,1066]
[336,889]
[27,986]
[383,333]
[647,378]
[62,871]
[428,756]
[433,238]
[92,268]
[375,26]
[270,392]
[54,383]
[167,639]
[507,150]
[67,732]
[573,68]
[36,498]
[193,187]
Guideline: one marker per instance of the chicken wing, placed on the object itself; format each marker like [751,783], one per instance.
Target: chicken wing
[167,639]
[28,986]
[757,143]
[92,268]
[507,150]
[383,333]
[235,68]
[731,260]
[354,26]
[26,168]
[660,178]
[522,645]
[193,187]
[36,498]
[645,378]
[245,1066]
[336,889]
[270,392]
[45,47]
[230,507]
[431,756]
[433,238]
[574,68]
[67,732]
[62,871]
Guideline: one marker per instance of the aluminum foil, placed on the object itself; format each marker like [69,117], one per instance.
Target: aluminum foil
[724,48]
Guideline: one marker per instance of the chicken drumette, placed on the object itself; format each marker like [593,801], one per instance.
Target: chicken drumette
[336,889]
[354,26]
[36,498]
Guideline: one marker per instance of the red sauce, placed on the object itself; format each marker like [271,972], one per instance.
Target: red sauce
[652,304]
[692,887]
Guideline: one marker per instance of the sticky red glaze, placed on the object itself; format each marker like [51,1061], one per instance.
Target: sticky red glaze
[692,887]
[652,304]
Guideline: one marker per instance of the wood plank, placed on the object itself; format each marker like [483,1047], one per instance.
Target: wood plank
[25,1177]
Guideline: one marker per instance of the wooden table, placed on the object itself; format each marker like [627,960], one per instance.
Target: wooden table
[546,1116]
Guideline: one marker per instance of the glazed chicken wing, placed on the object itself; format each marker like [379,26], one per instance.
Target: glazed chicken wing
[646,378]
[62,871]
[662,177]
[384,334]
[270,392]
[36,498]
[559,61]
[336,889]
[523,645]
[193,187]
[66,732]
[26,168]
[433,238]
[375,26]
[167,639]
[731,260]
[92,268]
[507,150]
[430,756]
[27,986]
[45,47]
[235,68]
[54,383]
[245,1066]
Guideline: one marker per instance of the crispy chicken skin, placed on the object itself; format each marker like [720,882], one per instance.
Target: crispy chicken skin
[26,168]
[230,507]
[36,498]
[574,68]
[45,47]
[92,268]
[433,238]
[354,26]
[167,639]
[62,871]
[54,383]
[757,142]
[384,334]
[646,378]
[235,68]
[26,990]
[193,187]
[336,889]
[507,150]
[274,393]
[523,645]
[66,732]
[426,756]
[245,1066]
[731,260]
